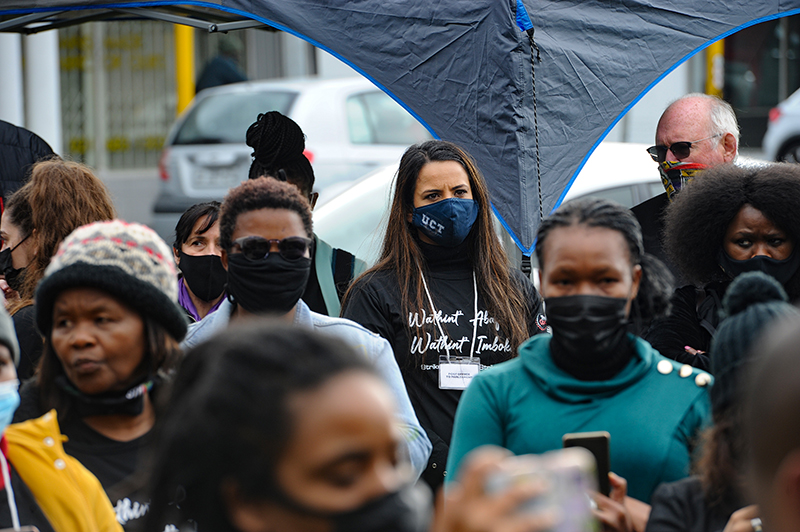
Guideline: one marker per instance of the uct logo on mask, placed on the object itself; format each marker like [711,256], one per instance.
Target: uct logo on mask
[432,224]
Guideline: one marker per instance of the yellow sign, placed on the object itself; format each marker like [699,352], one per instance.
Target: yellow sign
[715,68]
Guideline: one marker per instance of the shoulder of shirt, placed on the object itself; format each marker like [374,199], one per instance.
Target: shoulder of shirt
[666,368]
[332,324]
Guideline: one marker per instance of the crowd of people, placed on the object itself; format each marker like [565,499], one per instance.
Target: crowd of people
[253,378]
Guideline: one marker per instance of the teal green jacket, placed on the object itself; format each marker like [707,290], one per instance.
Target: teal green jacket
[653,409]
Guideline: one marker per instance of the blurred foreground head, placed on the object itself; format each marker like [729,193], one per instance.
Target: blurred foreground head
[773,427]
[280,429]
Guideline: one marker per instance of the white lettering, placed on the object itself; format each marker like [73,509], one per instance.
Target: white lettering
[495,346]
[432,224]
[484,320]
[418,319]
[127,510]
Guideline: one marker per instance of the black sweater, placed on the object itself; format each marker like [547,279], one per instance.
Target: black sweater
[681,507]
[692,321]
[375,302]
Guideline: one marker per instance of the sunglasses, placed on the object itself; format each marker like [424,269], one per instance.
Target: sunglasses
[290,248]
[681,150]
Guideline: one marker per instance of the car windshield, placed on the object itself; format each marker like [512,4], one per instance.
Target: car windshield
[224,118]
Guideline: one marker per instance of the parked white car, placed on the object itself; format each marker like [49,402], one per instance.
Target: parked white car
[355,219]
[782,139]
[351,128]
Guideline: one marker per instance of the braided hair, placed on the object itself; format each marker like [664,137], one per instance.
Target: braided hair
[278,144]
[656,286]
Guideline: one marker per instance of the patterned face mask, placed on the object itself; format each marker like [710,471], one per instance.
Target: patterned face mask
[675,175]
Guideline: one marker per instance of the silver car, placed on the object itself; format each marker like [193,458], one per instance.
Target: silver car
[782,139]
[351,128]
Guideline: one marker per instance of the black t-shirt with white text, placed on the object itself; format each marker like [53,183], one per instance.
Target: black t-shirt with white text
[376,303]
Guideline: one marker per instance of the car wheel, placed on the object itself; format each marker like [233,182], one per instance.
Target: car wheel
[789,152]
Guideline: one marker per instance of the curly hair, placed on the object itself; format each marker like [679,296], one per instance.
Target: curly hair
[59,197]
[261,193]
[656,285]
[696,222]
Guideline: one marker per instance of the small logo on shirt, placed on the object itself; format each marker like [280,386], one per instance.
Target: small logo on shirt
[541,322]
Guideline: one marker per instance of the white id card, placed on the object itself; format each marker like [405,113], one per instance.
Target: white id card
[457,373]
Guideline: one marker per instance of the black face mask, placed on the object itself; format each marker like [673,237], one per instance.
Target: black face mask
[204,275]
[782,270]
[589,331]
[272,285]
[405,510]
[128,402]
[13,276]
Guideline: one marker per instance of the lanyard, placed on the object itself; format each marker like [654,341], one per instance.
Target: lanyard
[439,323]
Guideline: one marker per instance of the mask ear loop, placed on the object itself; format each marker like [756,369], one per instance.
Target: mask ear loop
[12,503]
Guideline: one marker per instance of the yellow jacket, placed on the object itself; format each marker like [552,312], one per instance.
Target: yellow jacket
[71,497]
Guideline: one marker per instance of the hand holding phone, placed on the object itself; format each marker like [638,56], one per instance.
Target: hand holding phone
[598,443]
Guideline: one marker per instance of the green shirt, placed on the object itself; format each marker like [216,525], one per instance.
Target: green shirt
[653,409]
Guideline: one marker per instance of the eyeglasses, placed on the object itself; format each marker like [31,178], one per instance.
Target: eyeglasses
[290,248]
[681,150]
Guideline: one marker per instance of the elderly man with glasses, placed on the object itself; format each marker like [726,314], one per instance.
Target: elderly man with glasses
[696,131]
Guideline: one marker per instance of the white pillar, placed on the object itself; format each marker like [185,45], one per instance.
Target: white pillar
[12,107]
[43,87]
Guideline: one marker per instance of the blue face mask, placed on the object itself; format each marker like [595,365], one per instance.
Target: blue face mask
[446,222]
[9,401]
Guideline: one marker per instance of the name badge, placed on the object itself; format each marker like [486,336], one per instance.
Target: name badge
[457,372]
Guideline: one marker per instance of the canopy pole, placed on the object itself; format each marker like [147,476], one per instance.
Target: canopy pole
[184,65]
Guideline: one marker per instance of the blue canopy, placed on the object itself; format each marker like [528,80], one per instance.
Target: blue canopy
[464,69]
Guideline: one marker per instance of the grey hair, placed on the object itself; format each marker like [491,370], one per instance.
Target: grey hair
[723,118]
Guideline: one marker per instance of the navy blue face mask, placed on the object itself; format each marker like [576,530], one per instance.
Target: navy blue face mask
[447,222]
[782,270]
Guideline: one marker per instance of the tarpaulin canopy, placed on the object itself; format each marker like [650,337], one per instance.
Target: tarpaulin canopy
[463,68]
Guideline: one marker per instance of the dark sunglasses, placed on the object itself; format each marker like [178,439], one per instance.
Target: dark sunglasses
[290,248]
[681,150]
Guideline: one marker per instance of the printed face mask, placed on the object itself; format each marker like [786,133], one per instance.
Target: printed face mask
[204,275]
[675,175]
[587,326]
[272,285]
[446,222]
[782,270]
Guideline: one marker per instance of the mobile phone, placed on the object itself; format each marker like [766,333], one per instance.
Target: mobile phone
[598,443]
[568,474]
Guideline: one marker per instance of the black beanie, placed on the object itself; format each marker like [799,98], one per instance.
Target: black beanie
[753,301]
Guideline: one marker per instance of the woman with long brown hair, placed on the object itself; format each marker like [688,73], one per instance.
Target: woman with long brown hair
[443,293]
[59,197]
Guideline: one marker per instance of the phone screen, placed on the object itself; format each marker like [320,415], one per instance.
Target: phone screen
[598,444]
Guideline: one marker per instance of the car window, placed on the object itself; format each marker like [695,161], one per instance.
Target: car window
[224,118]
[654,189]
[374,118]
[622,195]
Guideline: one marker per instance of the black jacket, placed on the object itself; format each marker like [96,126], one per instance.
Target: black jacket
[681,507]
[376,303]
[19,149]
[650,215]
[692,321]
